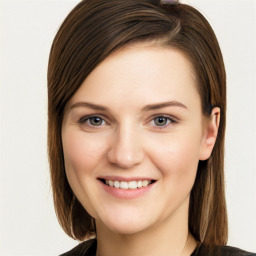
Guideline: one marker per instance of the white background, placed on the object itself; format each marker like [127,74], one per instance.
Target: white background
[28,225]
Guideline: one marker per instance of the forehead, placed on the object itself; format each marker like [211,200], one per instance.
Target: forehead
[140,72]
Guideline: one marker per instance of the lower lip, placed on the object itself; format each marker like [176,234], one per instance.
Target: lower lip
[127,193]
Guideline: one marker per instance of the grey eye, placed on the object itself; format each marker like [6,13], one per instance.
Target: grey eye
[95,121]
[161,121]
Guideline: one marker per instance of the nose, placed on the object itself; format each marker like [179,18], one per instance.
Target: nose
[125,150]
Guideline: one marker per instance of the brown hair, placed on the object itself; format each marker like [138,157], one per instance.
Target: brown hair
[91,32]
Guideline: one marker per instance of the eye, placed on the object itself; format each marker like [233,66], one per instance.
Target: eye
[162,121]
[92,121]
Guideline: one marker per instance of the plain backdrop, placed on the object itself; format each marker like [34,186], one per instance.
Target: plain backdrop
[28,225]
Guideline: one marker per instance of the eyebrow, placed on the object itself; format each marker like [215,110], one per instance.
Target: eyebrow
[149,107]
[89,105]
[163,105]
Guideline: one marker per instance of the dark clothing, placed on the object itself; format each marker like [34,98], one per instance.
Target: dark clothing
[220,251]
[88,248]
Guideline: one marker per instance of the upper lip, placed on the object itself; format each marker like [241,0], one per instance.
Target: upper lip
[119,178]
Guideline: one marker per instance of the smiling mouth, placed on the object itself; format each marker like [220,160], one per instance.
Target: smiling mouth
[127,184]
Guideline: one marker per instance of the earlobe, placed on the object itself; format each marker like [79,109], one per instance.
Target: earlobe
[211,133]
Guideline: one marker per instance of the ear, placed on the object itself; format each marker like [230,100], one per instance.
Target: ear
[210,134]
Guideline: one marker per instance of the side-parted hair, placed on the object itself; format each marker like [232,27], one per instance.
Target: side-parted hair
[92,31]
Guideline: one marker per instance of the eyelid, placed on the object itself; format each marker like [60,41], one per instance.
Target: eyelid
[171,117]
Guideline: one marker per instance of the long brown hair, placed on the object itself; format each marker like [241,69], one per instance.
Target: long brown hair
[91,32]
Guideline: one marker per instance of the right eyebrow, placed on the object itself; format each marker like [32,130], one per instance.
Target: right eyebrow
[88,105]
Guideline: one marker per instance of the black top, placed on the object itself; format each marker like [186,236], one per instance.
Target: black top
[88,248]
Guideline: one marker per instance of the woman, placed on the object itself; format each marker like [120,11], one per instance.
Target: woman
[136,106]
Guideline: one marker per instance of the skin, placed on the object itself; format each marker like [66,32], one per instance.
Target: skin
[129,141]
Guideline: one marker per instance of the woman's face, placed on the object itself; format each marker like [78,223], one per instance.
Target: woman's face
[133,135]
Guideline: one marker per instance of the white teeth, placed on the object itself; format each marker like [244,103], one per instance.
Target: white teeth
[145,183]
[124,185]
[127,185]
[133,184]
[116,184]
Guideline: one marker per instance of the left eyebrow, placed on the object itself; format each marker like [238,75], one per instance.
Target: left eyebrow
[163,105]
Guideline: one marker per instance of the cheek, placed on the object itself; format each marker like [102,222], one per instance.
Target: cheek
[81,152]
[81,155]
[177,156]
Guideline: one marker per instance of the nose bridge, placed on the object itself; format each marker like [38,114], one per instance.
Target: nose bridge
[126,149]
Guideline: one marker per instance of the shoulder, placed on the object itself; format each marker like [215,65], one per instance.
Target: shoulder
[221,251]
[87,248]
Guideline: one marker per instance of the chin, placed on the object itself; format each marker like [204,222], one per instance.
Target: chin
[127,228]
[126,224]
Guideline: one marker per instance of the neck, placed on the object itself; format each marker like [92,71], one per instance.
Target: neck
[170,237]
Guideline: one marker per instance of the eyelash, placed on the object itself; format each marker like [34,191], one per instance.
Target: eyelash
[169,119]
